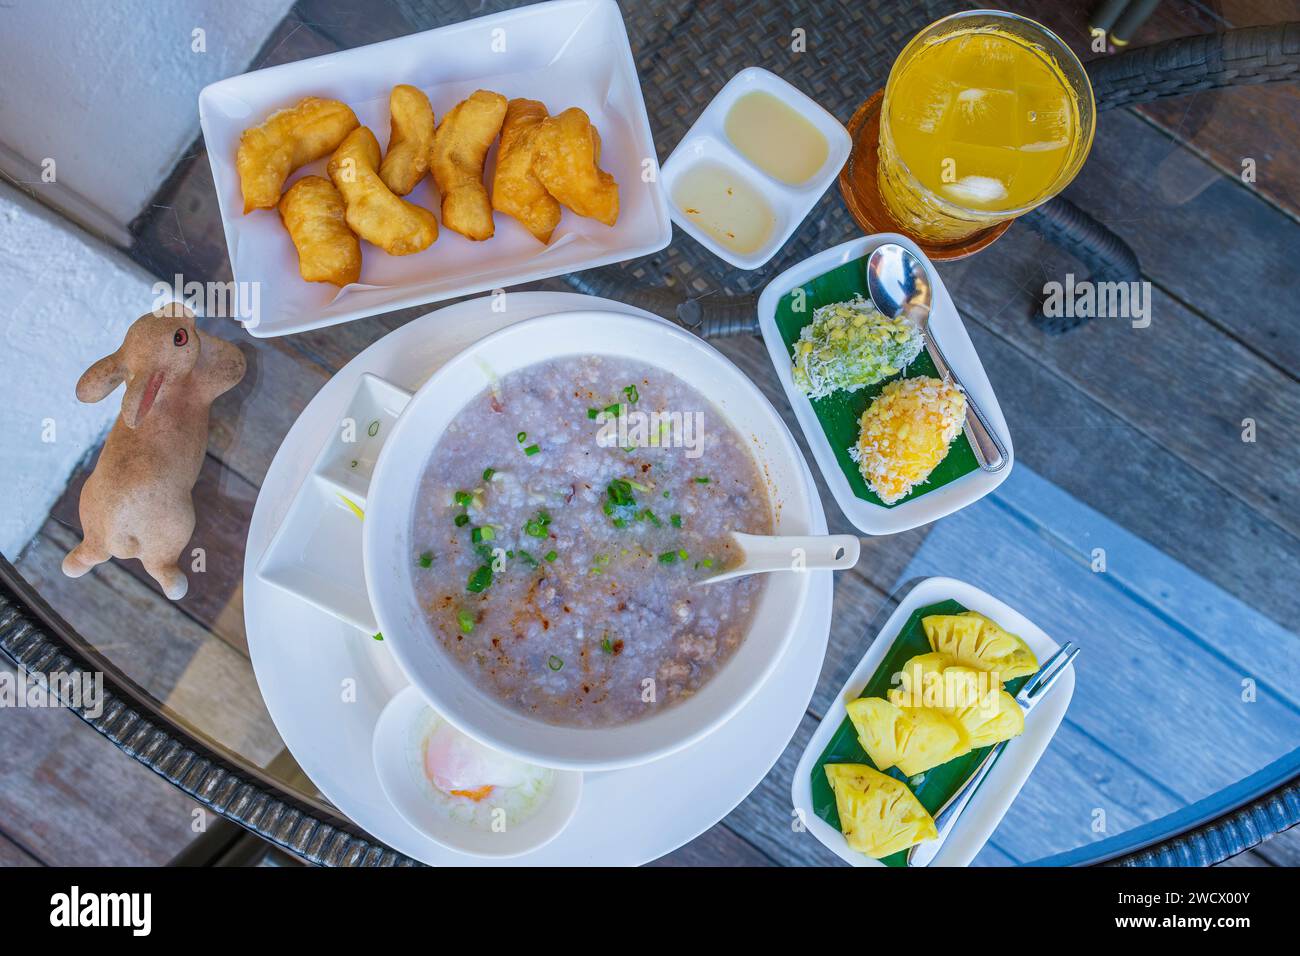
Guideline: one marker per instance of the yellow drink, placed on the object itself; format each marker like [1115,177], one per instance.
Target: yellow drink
[985,116]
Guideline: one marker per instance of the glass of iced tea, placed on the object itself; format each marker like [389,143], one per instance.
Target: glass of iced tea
[985,116]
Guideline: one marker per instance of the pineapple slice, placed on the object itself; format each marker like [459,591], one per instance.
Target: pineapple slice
[932,740]
[991,721]
[878,814]
[882,729]
[975,641]
[914,739]
[934,681]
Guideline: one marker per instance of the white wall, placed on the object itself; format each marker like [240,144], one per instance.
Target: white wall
[65,301]
[109,90]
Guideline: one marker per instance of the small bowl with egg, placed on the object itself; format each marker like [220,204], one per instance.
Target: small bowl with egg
[752,167]
[462,794]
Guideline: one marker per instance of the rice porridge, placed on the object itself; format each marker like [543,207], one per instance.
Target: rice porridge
[561,522]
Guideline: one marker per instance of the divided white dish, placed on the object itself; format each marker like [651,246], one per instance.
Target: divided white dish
[707,141]
[998,791]
[565,53]
[947,328]
[316,553]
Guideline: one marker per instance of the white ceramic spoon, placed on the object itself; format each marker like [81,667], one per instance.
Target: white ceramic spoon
[762,553]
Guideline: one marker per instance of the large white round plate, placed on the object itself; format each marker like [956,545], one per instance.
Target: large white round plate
[325,683]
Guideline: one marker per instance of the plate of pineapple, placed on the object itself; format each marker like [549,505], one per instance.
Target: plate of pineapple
[933,694]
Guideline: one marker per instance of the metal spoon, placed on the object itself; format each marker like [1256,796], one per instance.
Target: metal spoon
[899,283]
[766,552]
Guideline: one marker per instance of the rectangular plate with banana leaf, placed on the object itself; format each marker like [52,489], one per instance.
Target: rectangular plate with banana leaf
[900,639]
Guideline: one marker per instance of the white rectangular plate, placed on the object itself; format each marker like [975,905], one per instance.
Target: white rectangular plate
[999,789]
[947,328]
[565,53]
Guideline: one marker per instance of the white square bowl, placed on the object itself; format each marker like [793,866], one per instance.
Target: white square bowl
[947,328]
[999,790]
[707,141]
[565,53]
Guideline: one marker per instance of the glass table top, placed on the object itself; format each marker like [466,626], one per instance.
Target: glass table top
[1150,517]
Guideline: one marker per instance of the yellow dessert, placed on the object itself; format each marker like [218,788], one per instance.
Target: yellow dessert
[878,814]
[906,432]
[976,641]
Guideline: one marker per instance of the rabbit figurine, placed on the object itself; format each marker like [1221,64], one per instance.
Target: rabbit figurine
[138,503]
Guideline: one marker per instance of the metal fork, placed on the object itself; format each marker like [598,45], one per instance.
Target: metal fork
[1035,690]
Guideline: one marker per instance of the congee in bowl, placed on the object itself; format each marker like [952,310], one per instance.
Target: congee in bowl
[560,525]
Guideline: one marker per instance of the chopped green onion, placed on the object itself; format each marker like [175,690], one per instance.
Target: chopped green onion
[648,515]
[373,430]
[554,663]
[607,645]
[668,557]
[488,473]
[379,636]
[521,437]
[485,533]
[665,494]
[461,520]
[531,450]
[527,558]
[612,409]
[676,520]
[681,553]
[637,485]
[462,498]
[466,620]
[701,481]
[631,393]
[426,559]
[537,527]
[551,555]
[479,579]
[593,413]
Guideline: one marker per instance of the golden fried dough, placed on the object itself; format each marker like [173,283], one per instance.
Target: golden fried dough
[373,212]
[412,137]
[516,190]
[286,140]
[459,148]
[312,211]
[567,162]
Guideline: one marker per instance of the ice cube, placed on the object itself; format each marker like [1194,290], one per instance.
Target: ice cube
[1046,121]
[983,117]
[924,109]
[977,191]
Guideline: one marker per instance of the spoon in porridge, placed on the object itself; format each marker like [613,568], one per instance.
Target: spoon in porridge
[762,553]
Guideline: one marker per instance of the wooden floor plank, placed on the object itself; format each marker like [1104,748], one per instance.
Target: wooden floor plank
[203,682]
[1175,210]
[78,801]
[1181,383]
[11,854]
[717,846]
[1073,441]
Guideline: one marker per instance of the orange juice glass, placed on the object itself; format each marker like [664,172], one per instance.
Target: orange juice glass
[985,116]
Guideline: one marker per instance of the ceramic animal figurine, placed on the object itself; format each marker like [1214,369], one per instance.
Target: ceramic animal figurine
[138,503]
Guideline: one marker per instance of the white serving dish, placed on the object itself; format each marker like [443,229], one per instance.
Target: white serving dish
[947,328]
[316,552]
[998,791]
[398,733]
[565,53]
[302,655]
[707,141]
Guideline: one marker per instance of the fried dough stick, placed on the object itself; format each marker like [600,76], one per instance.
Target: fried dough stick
[286,140]
[460,147]
[313,212]
[373,212]
[410,141]
[567,163]
[516,190]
